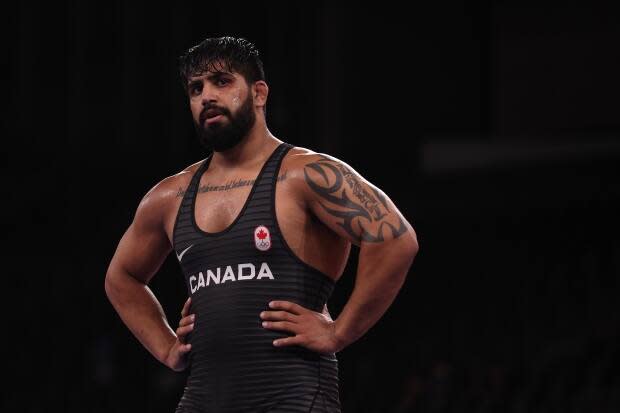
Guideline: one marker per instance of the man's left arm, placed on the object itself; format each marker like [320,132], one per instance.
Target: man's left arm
[357,210]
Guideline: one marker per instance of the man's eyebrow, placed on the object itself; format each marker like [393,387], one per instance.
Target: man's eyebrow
[218,75]
[211,76]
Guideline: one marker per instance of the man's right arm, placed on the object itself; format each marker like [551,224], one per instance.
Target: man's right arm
[139,255]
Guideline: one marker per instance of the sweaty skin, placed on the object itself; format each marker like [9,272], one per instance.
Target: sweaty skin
[236,102]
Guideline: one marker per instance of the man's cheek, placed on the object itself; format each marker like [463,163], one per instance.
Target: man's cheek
[236,102]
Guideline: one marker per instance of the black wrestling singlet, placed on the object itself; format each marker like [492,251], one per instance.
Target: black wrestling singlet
[232,275]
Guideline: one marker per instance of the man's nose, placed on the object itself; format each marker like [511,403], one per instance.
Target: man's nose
[209,95]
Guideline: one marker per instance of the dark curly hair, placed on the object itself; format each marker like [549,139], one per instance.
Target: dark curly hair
[215,54]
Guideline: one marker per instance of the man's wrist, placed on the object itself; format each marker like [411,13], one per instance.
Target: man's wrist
[166,351]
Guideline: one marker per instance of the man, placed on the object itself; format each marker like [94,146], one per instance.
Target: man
[261,250]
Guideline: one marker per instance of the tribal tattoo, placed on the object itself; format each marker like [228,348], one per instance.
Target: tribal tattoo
[371,207]
[235,183]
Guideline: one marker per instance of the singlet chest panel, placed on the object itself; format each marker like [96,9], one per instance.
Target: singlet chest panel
[231,275]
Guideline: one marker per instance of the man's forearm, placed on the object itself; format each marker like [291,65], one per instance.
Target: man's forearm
[141,312]
[382,269]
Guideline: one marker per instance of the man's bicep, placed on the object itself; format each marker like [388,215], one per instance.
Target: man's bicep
[350,205]
[144,246]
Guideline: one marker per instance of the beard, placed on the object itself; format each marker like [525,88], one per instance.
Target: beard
[221,136]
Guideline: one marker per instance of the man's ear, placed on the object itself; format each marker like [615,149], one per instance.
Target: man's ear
[260,91]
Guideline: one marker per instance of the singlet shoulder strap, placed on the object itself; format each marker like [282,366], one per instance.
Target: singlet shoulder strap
[258,205]
[183,222]
[267,174]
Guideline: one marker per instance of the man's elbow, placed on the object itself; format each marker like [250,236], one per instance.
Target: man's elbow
[110,284]
[402,252]
[410,244]
[116,282]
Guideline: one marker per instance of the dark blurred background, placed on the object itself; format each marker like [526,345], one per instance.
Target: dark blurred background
[493,127]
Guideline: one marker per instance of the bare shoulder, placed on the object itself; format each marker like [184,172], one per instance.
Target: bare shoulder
[344,200]
[163,197]
[299,159]
[304,166]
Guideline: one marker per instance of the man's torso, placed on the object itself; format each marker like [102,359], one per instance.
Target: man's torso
[234,366]
[222,195]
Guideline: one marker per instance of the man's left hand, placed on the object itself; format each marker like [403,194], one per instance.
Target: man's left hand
[312,330]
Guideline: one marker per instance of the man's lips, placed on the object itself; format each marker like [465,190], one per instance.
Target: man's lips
[214,118]
[210,114]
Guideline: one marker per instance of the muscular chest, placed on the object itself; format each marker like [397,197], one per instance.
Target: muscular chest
[217,209]
[221,202]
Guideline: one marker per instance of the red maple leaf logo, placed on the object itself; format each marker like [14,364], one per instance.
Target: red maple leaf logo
[261,234]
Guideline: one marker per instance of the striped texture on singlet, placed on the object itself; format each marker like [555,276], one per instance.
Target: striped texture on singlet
[231,276]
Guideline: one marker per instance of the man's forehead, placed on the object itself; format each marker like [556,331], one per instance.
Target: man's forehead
[211,67]
[208,74]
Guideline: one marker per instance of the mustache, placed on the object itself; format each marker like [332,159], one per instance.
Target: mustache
[214,110]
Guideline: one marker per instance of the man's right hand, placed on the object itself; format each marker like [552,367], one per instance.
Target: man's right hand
[177,355]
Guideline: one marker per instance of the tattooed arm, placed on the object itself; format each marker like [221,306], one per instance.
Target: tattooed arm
[357,210]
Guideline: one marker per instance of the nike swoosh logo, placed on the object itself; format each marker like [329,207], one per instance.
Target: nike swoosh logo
[180,256]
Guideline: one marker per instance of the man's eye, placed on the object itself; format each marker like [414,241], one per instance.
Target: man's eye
[222,82]
[194,90]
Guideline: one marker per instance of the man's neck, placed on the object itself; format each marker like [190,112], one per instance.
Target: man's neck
[254,148]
